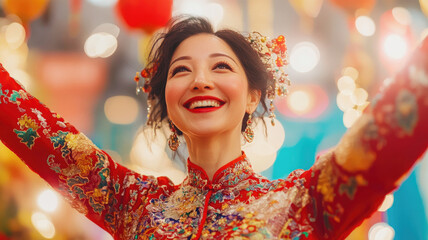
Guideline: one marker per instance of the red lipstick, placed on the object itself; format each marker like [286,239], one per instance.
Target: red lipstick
[189,102]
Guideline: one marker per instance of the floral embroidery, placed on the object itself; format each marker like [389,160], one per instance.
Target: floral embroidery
[324,202]
[28,133]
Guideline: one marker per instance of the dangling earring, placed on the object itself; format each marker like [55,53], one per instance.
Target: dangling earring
[173,141]
[249,133]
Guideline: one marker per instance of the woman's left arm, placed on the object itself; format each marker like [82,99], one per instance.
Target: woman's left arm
[350,182]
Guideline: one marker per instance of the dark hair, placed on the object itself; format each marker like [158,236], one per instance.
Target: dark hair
[181,28]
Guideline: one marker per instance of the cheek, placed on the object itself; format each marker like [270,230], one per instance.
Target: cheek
[235,88]
[172,93]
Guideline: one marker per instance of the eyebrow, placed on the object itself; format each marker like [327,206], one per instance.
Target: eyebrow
[213,55]
[223,55]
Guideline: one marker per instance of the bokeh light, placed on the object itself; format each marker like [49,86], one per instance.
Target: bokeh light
[262,151]
[300,101]
[15,35]
[304,57]
[344,101]
[365,26]
[48,200]
[101,45]
[304,101]
[395,46]
[346,85]
[401,15]
[109,28]
[387,203]
[351,72]
[381,231]
[121,109]
[359,96]
[350,116]
[43,225]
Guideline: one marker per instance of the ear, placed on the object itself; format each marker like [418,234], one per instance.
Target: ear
[253,100]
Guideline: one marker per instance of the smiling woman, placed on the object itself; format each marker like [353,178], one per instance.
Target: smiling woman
[208,85]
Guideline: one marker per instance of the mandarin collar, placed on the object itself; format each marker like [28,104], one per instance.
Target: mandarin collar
[227,176]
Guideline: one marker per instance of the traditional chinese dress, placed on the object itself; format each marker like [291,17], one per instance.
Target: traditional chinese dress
[343,187]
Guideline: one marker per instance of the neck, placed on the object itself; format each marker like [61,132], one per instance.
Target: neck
[211,153]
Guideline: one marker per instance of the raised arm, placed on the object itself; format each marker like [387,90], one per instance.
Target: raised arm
[107,193]
[350,182]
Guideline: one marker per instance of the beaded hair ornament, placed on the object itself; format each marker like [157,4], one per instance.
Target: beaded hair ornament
[273,54]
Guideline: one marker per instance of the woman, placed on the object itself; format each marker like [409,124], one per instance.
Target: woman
[208,85]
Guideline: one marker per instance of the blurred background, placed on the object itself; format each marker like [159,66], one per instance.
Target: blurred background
[80,57]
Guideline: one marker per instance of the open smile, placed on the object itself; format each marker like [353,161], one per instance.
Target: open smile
[202,104]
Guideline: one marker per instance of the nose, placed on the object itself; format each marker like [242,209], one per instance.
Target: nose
[202,81]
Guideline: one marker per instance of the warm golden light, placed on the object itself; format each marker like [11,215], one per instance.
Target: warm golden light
[15,35]
[101,45]
[365,26]
[300,101]
[381,231]
[350,116]
[346,85]
[43,225]
[304,57]
[395,46]
[48,200]
[359,96]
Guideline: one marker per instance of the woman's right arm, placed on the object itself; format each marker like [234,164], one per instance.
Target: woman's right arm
[107,193]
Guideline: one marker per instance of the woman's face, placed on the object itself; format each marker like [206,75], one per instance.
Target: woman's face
[207,90]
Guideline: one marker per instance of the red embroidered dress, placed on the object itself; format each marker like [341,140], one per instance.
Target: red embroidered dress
[327,201]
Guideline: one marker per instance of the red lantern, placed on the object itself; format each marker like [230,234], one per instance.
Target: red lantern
[351,6]
[148,15]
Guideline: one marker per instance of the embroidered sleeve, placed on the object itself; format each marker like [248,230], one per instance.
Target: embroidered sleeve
[350,182]
[109,194]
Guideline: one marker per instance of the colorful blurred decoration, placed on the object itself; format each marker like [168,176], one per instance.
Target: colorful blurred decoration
[350,7]
[146,15]
[73,83]
[307,10]
[303,101]
[26,10]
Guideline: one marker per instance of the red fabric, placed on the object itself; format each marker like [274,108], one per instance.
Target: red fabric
[343,187]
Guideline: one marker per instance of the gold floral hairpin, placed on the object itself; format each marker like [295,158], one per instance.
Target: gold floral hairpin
[273,54]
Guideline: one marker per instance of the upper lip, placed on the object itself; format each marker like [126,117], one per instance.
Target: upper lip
[201,98]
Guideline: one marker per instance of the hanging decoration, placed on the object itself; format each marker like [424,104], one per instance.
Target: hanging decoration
[26,10]
[146,15]
[307,10]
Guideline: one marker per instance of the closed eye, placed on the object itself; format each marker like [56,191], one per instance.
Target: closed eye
[222,66]
[179,69]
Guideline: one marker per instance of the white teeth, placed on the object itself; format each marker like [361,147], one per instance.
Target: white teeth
[204,103]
